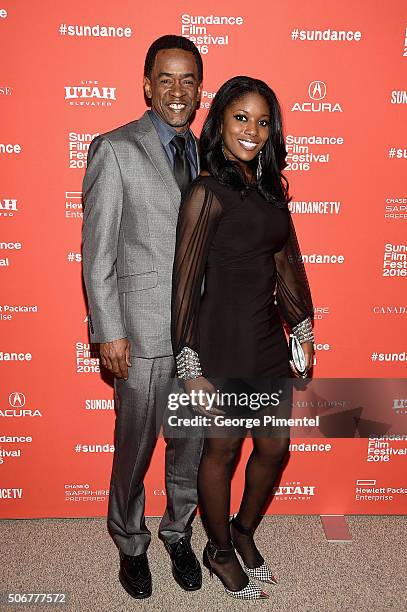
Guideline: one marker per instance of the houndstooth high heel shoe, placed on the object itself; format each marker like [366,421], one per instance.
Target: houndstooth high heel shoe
[263,572]
[250,591]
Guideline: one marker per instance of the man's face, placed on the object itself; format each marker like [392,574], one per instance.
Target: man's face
[173,88]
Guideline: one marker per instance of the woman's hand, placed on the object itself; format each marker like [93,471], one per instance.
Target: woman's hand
[206,390]
[308,348]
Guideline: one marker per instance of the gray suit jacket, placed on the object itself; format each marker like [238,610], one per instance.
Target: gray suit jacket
[131,202]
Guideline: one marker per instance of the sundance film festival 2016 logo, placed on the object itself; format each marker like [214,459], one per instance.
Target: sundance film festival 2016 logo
[317,93]
[8,207]
[12,453]
[395,260]
[300,151]
[382,449]
[87,358]
[79,143]
[200,29]
[8,247]
[90,93]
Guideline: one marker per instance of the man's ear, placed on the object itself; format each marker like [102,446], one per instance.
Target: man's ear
[147,87]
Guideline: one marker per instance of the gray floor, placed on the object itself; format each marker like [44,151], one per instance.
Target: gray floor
[76,556]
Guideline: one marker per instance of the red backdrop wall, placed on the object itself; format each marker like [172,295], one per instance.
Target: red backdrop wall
[339,71]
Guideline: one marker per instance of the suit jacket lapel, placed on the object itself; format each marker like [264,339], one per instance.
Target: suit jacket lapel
[159,159]
[197,153]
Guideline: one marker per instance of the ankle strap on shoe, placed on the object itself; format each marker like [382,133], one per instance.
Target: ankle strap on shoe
[243,530]
[215,552]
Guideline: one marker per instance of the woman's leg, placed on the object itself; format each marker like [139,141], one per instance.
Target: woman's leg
[262,471]
[214,477]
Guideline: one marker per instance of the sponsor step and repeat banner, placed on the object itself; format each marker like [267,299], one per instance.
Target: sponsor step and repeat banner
[73,70]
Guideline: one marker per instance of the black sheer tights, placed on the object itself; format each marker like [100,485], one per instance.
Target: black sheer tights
[215,472]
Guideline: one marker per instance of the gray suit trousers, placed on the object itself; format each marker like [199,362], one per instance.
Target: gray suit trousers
[139,407]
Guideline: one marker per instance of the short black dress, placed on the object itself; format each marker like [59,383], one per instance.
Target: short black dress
[237,271]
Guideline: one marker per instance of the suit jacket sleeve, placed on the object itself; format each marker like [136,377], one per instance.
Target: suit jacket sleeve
[103,202]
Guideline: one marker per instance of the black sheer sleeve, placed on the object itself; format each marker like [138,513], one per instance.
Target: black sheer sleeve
[292,290]
[198,218]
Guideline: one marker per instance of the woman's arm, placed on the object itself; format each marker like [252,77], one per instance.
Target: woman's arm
[293,293]
[198,218]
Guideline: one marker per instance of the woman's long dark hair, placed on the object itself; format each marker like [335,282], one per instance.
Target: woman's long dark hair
[272,185]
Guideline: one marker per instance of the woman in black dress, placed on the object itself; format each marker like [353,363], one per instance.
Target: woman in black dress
[235,234]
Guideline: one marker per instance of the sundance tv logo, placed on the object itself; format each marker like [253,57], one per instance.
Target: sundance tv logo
[90,93]
[317,104]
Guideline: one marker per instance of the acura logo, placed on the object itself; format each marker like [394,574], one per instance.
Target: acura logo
[16,399]
[317,90]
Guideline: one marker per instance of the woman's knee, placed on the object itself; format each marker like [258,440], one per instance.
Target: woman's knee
[273,450]
[222,450]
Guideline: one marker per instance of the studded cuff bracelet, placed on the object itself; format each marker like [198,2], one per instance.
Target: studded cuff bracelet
[303,331]
[188,365]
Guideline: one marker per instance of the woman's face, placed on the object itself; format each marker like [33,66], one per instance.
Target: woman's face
[245,127]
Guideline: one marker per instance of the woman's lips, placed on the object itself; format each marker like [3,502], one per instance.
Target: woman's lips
[248,145]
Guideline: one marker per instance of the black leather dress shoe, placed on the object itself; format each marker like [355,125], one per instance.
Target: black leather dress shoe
[135,576]
[185,566]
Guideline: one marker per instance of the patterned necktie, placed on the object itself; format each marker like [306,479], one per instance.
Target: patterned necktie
[182,169]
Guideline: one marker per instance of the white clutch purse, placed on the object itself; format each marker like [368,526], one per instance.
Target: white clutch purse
[297,357]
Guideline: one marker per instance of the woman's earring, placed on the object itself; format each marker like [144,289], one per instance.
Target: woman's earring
[259,168]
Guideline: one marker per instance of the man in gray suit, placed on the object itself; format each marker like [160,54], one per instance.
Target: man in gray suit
[132,192]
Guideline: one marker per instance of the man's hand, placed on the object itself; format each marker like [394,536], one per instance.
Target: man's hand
[115,357]
[202,384]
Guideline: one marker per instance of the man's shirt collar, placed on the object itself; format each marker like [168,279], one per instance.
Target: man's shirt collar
[166,132]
